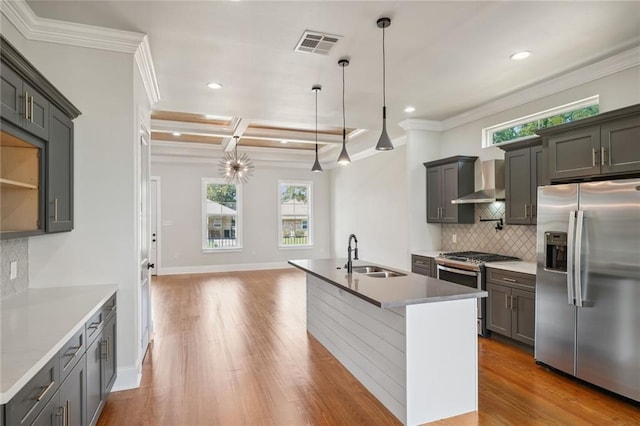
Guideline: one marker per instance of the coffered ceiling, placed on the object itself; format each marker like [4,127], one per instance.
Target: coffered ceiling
[444,58]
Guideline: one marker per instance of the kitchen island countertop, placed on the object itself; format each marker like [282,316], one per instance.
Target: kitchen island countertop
[389,292]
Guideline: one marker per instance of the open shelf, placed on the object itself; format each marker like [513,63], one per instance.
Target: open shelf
[15,184]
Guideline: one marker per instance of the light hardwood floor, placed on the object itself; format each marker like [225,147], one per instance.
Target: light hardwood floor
[232,349]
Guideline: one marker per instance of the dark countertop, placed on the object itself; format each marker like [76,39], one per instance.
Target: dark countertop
[390,292]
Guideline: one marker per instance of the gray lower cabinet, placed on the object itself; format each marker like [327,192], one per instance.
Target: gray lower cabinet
[101,368]
[423,265]
[72,388]
[600,147]
[511,305]
[524,172]
[448,179]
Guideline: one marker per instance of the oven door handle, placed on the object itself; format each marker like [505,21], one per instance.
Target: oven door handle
[458,271]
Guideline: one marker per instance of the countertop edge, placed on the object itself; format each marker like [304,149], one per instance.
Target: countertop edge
[521,266]
[6,395]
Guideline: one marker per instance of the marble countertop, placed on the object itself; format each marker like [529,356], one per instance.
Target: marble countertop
[514,266]
[36,323]
[386,292]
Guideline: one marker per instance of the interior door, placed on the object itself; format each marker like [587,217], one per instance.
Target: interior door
[144,243]
[155,210]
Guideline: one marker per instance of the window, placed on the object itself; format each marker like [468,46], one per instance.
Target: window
[295,207]
[525,127]
[221,213]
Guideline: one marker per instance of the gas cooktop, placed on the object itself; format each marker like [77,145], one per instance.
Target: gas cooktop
[477,257]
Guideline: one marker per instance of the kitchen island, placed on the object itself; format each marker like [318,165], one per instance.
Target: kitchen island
[411,340]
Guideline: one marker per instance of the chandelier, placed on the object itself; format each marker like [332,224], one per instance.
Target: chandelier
[236,168]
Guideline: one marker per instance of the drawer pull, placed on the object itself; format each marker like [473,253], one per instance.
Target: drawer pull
[420,262]
[77,351]
[95,325]
[510,280]
[45,390]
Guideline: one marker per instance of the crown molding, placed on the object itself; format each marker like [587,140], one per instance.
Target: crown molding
[33,27]
[622,61]
[144,60]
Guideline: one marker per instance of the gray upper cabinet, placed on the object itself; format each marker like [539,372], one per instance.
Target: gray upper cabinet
[448,179]
[599,147]
[37,119]
[60,173]
[23,105]
[524,172]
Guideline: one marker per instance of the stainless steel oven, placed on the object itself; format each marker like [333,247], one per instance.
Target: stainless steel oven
[467,268]
[466,277]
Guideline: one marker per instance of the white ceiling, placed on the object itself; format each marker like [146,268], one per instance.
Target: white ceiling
[443,58]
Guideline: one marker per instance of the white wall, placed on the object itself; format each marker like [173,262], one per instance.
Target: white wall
[101,247]
[370,199]
[181,211]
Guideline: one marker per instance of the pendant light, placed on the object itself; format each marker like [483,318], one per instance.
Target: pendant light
[316,165]
[344,155]
[384,143]
[236,168]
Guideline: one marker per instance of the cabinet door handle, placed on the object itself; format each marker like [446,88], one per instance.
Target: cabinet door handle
[526,210]
[506,301]
[511,298]
[68,414]
[44,392]
[510,280]
[55,209]
[603,155]
[31,109]
[533,210]
[104,349]
[26,105]
[593,157]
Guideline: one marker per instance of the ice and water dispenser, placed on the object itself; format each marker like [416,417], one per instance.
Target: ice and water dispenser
[555,251]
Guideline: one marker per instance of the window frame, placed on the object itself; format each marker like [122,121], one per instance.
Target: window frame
[488,132]
[309,220]
[204,240]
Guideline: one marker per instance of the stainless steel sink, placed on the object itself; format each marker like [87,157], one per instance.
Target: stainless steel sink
[377,272]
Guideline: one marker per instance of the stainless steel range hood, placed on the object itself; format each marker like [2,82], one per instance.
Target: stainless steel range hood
[492,185]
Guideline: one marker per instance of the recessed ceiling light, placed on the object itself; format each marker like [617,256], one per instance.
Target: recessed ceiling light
[214,85]
[284,141]
[176,134]
[520,55]
[409,109]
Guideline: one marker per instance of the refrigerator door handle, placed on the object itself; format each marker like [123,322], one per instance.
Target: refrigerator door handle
[570,257]
[578,255]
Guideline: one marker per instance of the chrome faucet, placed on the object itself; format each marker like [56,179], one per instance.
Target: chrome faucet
[349,264]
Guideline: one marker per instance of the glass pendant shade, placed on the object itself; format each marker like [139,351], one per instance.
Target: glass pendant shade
[384,143]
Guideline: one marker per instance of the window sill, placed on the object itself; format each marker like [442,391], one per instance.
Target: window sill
[222,250]
[308,247]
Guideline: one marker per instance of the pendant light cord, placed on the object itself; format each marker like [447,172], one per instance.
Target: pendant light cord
[344,120]
[316,90]
[384,74]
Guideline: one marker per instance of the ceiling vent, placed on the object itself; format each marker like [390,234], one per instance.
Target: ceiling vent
[315,42]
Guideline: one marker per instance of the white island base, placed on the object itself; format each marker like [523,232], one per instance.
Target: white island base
[419,360]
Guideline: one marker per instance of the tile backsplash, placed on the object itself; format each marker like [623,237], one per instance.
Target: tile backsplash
[14,250]
[513,240]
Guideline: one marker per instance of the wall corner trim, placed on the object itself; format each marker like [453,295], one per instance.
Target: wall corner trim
[144,60]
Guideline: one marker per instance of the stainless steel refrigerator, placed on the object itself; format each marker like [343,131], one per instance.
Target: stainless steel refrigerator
[588,282]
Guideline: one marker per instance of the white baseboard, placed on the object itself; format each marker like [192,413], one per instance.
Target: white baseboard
[128,378]
[180,270]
